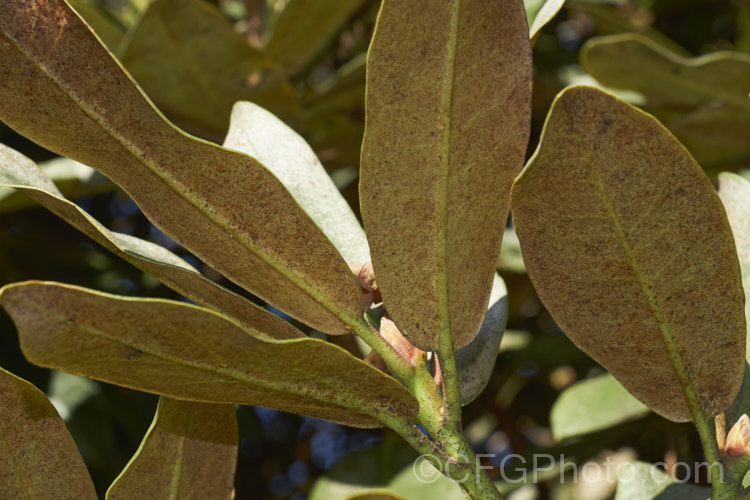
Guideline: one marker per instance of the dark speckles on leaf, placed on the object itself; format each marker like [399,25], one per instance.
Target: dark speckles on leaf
[630,226]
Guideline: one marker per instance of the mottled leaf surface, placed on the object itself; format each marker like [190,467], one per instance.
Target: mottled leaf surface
[189,452]
[644,481]
[18,172]
[476,361]
[629,248]
[186,352]
[702,100]
[63,90]
[592,405]
[38,458]
[281,150]
[447,122]
[194,66]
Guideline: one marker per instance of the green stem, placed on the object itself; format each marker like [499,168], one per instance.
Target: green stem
[720,488]
[451,394]
[401,368]
[440,414]
[452,456]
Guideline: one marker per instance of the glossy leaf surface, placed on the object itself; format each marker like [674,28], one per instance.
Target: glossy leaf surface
[592,405]
[448,91]
[183,351]
[629,248]
[221,205]
[38,458]
[702,100]
[190,451]
[258,133]
[18,172]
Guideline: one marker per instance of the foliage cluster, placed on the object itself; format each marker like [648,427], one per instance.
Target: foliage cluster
[261,288]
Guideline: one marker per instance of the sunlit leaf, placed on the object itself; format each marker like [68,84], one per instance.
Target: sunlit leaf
[186,352]
[592,405]
[540,12]
[190,451]
[63,90]
[73,179]
[38,458]
[734,192]
[475,361]
[194,66]
[68,392]
[703,100]
[448,104]
[510,258]
[18,172]
[629,248]
[281,150]
[303,28]
[643,481]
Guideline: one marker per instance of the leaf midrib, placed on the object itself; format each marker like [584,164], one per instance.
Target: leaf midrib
[680,369]
[339,403]
[292,277]
[443,183]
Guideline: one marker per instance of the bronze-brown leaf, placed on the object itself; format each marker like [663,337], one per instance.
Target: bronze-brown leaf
[189,452]
[630,250]
[448,104]
[64,90]
[38,458]
[187,352]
